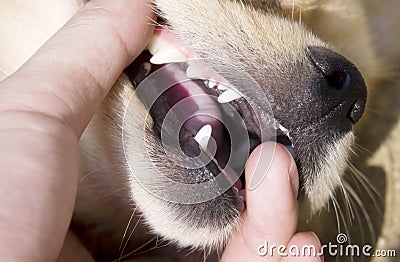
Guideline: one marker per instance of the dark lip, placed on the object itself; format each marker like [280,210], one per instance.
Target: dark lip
[137,74]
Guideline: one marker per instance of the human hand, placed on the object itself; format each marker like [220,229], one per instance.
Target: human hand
[271,210]
[44,107]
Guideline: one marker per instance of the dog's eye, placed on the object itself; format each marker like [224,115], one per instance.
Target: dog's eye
[337,79]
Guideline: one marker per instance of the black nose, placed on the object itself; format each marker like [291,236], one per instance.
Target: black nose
[340,85]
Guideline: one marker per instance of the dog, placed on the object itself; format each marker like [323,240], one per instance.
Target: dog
[308,89]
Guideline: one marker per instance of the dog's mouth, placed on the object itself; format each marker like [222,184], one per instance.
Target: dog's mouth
[201,112]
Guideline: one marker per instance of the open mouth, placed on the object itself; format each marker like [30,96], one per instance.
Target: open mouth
[202,111]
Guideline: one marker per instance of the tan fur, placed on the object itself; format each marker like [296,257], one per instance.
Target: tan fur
[338,24]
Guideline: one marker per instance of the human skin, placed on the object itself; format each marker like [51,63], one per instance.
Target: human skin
[46,105]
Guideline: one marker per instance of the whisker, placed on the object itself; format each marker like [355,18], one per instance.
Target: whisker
[153,21]
[126,229]
[242,4]
[340,214]
[95,171]
[364,211]
[358,217]
[367,185]
[156,246]
[334,202]
[112,193]
[137,249]
[361,148]
[130,235]
[349,209]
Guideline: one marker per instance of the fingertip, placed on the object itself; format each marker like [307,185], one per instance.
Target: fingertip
[273,159]
[132,20]
[69,76]
[271,207]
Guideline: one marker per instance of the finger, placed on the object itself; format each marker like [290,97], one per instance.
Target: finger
[55,92]
[70,75]
[303,246]
[73,250]
[271,213]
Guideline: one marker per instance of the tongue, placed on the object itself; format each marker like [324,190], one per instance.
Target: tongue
[192,106]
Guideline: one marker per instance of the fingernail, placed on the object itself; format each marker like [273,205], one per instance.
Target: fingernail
[293,175]
[265,155]
[316,237]
[319,244]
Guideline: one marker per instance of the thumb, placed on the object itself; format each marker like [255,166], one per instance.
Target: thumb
[271,213]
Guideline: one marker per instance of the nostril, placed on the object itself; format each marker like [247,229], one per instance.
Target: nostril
[337,79]
[356,111]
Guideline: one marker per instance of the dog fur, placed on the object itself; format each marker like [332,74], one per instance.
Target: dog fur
[108,190]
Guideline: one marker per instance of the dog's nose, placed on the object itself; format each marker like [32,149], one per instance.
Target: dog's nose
[340,85]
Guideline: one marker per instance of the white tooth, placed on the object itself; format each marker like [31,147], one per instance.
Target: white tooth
[212,83]
[203,136]
[283,129]
[168,55]
[194,72]
[155,44]
[228,96]
[223,87]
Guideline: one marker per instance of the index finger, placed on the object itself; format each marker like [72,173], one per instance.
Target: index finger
[70,75]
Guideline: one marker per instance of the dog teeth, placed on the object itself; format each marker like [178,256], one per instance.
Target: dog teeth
[283,129]
[166,48]
[194,72]
[155,44]
[168,55]
[228,96]
[223,87]
[212,83]
[203,136]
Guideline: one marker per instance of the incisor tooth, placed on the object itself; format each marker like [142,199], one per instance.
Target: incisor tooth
[168,55]
[228,96]
[203,136]
[194,72]
[212,83]
[223,87]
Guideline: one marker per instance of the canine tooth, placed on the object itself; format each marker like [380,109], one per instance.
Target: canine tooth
[155,44]
[203,136]
[228,96]
[168,55]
